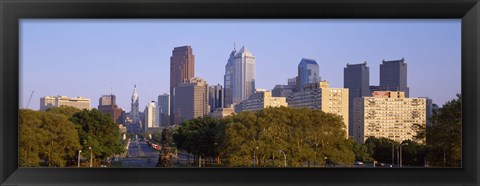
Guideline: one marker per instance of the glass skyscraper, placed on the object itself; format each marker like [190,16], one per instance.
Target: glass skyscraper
[393,76]
[239,76]
[308,72]
[356,77]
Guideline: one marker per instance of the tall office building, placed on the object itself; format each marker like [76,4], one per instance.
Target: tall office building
[215,97]
[393,76]
[388,114]
[182,69]
[164,109]
[356,77]
[108,105]
[134,109]
[151,116]
[308,72]
[191,100]
[57,101]
[322,97]
[239,79]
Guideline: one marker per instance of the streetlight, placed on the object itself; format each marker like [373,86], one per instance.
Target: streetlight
[393,153]
[284,156]
[91,157]
[255,157]
[401,153]
[79,151]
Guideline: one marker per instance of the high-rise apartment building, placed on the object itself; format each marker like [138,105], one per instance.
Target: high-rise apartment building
[393,76]
[191,100]
[308,72]
[322,97]
[356,77]
[239,79]
[215,97]
[57,101]
[151,116]
[134,108]
[260,100]
[108,105]
[182,69]
[388,114]
[164,109]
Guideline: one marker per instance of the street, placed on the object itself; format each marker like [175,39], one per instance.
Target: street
[139,154]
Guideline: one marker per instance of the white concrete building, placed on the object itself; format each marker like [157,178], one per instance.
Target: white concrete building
[57,101]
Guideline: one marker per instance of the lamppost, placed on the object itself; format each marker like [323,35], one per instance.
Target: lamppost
[401,153]
[79,151]
[284,156]
[393,153]
[255,157]
[91,157]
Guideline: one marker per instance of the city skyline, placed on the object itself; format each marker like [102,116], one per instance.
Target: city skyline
[42,69]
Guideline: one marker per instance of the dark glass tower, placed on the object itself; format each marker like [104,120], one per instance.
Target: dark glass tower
[356,77]
[393,76]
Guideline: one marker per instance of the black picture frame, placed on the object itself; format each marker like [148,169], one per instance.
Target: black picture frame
[13,10]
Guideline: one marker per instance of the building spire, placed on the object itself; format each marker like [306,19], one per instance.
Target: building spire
[135,94]
[234,47]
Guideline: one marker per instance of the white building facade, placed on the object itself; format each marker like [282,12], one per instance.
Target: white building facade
[151,115]
[57,101]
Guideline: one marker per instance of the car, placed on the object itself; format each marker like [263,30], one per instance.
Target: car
[358,163]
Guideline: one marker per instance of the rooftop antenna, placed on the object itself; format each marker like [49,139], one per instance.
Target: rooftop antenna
[234,47]
[111,89]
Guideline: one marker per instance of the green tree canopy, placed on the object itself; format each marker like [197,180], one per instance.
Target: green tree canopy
[97,130]
[444,138]
[46,137]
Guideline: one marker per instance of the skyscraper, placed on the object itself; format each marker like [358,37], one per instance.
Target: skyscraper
[393,76]
[215,97]
[182,68]
[135,110]
[151,116]
[308,72]
[191,100]
[228,80]
[239,76]
[356,77]
[164,109]
[108,104]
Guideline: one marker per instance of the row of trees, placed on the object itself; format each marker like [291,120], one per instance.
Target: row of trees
[307,137]
[312,137]
[53,137]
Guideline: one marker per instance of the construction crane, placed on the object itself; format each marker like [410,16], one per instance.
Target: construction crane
[30,98]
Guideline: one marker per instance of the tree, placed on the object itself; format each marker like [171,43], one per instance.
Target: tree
[381,148]
[97,130]
[306,136]
[444,138]
[47,137]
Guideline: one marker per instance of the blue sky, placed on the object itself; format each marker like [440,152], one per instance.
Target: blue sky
[87,57]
